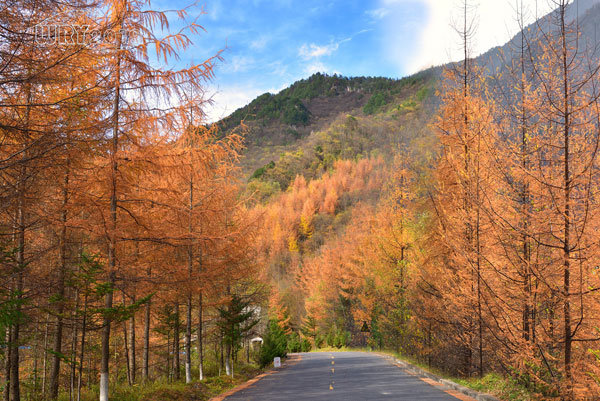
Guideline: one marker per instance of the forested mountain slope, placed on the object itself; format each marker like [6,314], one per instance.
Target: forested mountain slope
[292,119]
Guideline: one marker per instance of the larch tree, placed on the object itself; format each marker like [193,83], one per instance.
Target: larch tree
[88,129]
[132,76]
[565,156]
[465,135]
[38,126]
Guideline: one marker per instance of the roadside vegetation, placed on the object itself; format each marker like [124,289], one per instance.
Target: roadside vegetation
[161,390]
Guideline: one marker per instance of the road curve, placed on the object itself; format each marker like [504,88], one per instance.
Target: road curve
[343,376]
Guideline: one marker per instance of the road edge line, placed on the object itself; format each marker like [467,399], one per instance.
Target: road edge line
[289,361]
[410,368]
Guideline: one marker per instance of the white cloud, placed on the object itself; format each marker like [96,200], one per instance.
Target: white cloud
[277,90]
[259,43]
[239,63]
[359,32]
[226,100]
[378,13]
[438,42]
[315,67]
[277,67]
[315,51]
[214,10]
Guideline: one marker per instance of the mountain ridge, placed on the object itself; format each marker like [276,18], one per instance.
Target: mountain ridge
[277,123]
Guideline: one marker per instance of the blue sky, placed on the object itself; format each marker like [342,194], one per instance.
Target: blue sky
[269,44]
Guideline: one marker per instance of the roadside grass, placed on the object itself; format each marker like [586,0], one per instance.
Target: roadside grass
[162,389]
[502,387]
[505,388]
[495,384]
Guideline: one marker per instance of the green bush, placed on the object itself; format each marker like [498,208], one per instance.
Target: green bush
[422,93]
[259,172]
[274,344]
[408,105]
[294,112]
[293,133]
[319,341]
[337,338]
[305,345]
[294,343]
[330,338]
[377,101]
[342,339]
[261,190]
[298,344]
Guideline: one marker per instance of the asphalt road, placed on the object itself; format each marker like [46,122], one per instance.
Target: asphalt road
[347,376]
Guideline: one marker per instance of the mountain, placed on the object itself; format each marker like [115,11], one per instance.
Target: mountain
[304,128]
[585,14]
[289,120]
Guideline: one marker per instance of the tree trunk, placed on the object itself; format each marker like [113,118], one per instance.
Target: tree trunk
[221,362]
[82,348]
[478,251]
[146,356]
[7,363]
[176,334]
[36,353]
[188,341]
[188,327]
[57,348]
[74,338]
[126,349]
[525,201]
[132,365]
[169,370]
[105,356]
[15,390]
[60,307]
[45,355]
[112,242]
[567,200]
[228,359]
[73,359]
[200,345]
